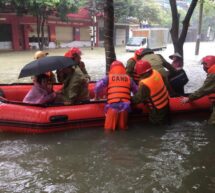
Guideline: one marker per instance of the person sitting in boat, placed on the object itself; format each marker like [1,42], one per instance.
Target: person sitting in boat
[131,64]
[119,85]
[41,92]
[41,54]
[75,86]
[208,87]
[177,61]
[75,54]
[178,79]
[159,64]
[153,92]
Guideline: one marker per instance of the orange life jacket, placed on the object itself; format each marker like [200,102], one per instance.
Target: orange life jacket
[211,70]
[159,96]
[119,86]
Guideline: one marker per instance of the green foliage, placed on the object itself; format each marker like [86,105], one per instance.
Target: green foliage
[142,9]
[40,7]
[209,7]
[149,10]
[82,3]
[208,16]
[166,18]
[64,6]
[121,10]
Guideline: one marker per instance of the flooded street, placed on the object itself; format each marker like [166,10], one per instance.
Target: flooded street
[178,158]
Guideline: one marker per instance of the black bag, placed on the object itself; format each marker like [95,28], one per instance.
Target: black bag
[178,78]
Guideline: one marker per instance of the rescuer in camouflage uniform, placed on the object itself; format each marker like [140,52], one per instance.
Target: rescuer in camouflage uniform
[208,87]
[75,54]
[160,64]
[75,86]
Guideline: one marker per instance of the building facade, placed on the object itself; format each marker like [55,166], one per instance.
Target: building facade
[18,32]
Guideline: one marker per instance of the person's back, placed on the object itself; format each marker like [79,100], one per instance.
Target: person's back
[119,85]
[161,65]
[118,88]
[75,87]
[157,63]
[152,91]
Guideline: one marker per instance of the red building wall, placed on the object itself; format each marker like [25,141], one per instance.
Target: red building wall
[21,25]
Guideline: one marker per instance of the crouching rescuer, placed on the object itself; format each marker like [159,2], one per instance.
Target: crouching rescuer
[119,85]
[208,87]
[152,92]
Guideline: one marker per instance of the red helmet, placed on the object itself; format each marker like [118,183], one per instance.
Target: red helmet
[142,66]
[208,61]
[72,52]
[139,52]
[118,64]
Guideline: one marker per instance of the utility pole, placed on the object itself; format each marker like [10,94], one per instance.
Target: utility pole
[92,9]
[199,28]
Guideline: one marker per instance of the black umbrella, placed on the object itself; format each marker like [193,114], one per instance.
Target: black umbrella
[46,64]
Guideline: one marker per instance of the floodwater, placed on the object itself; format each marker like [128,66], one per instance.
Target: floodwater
[177,158]
[170,159]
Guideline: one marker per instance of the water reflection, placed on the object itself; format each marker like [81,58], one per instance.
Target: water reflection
[142,159]
[170,164]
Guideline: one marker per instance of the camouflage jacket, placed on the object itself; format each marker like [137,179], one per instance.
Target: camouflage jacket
[208,87]
[75,87]
[130,67]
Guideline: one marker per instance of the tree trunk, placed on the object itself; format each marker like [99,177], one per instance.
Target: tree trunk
[108,33]
[42,31]
[174,31]
[41,19]
[178,40]
[38,30]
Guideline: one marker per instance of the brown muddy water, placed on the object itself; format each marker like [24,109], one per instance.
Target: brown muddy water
[178,158]
[170,159]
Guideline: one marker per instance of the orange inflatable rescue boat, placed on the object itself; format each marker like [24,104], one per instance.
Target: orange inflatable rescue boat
[19,117]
